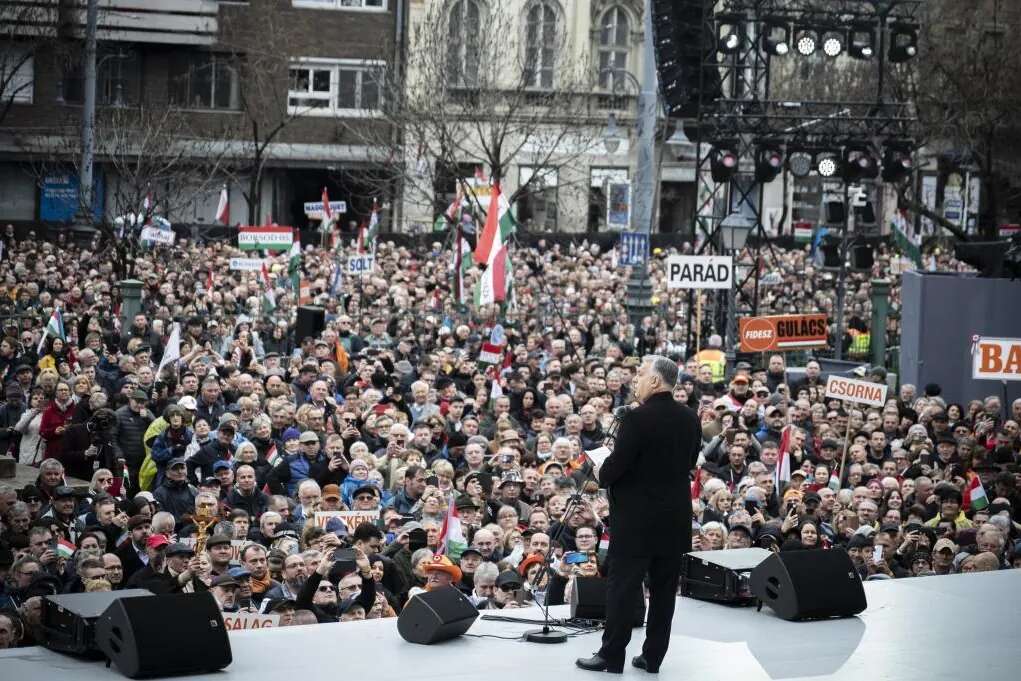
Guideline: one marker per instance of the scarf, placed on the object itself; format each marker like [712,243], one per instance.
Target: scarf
[260,586]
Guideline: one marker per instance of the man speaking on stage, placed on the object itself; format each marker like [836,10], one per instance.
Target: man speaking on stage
[647,482]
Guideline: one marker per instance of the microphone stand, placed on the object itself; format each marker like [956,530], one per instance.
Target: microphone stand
[547,634]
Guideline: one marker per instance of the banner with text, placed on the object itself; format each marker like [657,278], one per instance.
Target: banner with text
[358,265]
[351,519]
[238,621]
[783,332]
[314,209]
[996,358]
[246,264]
[700,271]
[155,235]
[855,390]
[265,238]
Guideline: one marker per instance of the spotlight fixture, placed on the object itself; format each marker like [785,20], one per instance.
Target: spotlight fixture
[800,163]
[897,162]
[806,41]
[833,43]
[827,164]
[768,162]
[723,162]
[859,163]
[730,32]
[903,42]
[862,43]
[776,37]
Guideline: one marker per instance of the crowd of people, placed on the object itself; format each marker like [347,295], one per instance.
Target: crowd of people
[219,472]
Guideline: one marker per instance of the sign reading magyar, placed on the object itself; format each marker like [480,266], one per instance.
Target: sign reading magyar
[783,332]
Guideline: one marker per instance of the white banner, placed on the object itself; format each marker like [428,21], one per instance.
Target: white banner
[358,265]
[854,390]
[237,621]
[156,235]
[314,209]
[352,519]
[996,358]
[246,264]
[700,271]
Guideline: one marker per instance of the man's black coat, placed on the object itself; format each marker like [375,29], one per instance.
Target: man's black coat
[647,479]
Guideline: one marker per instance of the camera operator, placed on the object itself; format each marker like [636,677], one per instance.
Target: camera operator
[89,443]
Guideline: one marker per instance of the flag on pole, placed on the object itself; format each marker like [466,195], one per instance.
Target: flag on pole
[452,540]
[54,327]
[462,263]
[492,252]
[65,549]
[172,353]
[223,208]
[340,354]
[337,282]
[782,474]
[452,215]
[209,280]
[327,213]
[294,264]
[974,494]
[267,290]
[373,230]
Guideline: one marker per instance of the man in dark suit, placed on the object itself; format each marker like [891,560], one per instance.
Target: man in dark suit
[647,479]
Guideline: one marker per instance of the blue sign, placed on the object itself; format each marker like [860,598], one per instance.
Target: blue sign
[58,197]
[634,248]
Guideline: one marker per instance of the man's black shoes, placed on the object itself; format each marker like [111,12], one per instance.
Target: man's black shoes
[596,663]
[641,663]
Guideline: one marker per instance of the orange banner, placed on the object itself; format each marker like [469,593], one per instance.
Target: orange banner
[783,332]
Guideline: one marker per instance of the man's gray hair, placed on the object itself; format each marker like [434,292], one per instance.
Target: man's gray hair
[665,368]
[486,571]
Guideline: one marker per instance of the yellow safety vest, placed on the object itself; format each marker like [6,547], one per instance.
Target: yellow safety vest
[716,359]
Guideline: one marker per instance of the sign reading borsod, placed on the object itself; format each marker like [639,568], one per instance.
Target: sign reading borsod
[700,271]
[783,332]
[854,390]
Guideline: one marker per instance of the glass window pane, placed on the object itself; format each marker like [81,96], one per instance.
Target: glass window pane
[201,94]
[370,92]
[299,79]
[347,89]
[622,27]
[321,81]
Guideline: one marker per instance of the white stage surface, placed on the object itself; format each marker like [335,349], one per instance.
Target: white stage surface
[927,628]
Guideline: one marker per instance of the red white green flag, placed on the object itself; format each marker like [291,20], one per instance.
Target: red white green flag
[975,494]
[492,251]
[452,540]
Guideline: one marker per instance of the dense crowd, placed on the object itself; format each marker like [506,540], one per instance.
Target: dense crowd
[223,471]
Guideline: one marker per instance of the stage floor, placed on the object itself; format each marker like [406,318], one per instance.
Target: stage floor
[927,629]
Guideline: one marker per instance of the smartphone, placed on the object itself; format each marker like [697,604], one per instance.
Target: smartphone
[751,506]
[877,554]
[575,557]
[344,559]
[506,458]
[432,481]
[417,539]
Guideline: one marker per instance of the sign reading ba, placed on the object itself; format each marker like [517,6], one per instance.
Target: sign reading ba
[359,265]
[700,271]
[996,359]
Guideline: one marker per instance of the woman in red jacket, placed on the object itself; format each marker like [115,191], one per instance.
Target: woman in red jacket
[55,420]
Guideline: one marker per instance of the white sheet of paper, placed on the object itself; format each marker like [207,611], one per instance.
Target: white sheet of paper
[598,456]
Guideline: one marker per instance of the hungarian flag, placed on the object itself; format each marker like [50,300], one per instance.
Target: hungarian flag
[462,262]
[223,208]
[327,213]
[54,327]
[173,349]
[209,280]
[65,549]
[267,290]
[975,494]
[696,484]
[273,456]
[452,540]
[782,474]
[294,265]
[492,251]
[304,292]
[372,231]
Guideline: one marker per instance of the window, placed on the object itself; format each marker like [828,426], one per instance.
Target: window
[334,88]
[204,81]
[614,40]
[537,207]
[463,57]
[540,45]
[117,79]
[377,5]
[17,75]
[599,181]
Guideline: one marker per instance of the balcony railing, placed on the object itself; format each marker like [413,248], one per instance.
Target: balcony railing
[175,22]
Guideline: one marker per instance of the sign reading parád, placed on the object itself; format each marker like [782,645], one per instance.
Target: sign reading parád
[700,271]
[996,358]
[265,238]
[854,390]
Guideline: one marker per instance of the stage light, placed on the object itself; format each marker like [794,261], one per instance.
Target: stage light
[862,43]
[768,162]
[827,164]
[859,163]
[903,42]
[800,163]
[833,44]
[730,29]
[806,41]
[897,162]
[776,37]
[723,161]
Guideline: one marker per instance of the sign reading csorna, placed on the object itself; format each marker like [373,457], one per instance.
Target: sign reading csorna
[854,390]
[783,332]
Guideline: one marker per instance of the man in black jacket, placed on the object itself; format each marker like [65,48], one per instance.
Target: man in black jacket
[245,495]
[132,421]
[647,478]
[175,495]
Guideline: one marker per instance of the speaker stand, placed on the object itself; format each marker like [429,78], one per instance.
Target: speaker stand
[545,635]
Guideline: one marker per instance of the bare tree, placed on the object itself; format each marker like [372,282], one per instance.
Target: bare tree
[462,98]
[26,28]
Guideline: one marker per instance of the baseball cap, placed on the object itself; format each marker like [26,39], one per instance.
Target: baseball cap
[188,402]
[176,461]
[224,580]
[944,544]
[739,378]
[63,492]
[368,487]
[508,578]
[238,572]
[138,395]
[308,436]
[217,540]
[331,492]
[220,465]
[155,541]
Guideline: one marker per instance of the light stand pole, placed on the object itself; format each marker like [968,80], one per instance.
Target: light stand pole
[734,231]
[845,240]
[88,114]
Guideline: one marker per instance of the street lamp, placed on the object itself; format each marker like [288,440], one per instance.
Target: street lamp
[734,231]
[680,146]
[612,136]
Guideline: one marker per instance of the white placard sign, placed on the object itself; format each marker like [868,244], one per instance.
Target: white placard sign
[357,265]
[996,358]
[854,390]
[238,621]
[246,264]
[164,237]
[700,271]
[314,209]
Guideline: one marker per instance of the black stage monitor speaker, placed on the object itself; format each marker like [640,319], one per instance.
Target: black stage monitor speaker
[720,576]
[588,600]
[68,620]
[164,635]
[809,585]
[436,616]
[311,322]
